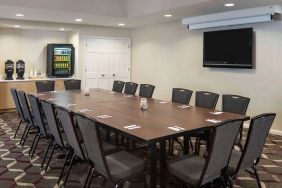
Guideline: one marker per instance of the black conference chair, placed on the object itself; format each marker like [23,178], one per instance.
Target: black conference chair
[207,100]
[28,116]
[118,86]
[75,140]
[146,90]
[41,127]
[182,96]
[117,167]
[57,140]
[72,84]
[44,86]
[19,109]
[250,156]
[130,88]
[197,171]
[238,105]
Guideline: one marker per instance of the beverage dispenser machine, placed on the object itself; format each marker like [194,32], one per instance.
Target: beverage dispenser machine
[20,69]
[60,60]
[9,69]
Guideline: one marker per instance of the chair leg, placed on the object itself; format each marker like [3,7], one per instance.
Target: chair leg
[88,176]
[26,127]
[21,121]
[63,168]
[34,140]
[197,146]
[50,157]
[191,144]
[230,182]
[257,177]
[35,146]
[68,173]
[46,153]
[26,135]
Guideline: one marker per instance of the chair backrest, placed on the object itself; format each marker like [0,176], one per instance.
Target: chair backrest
[72,84]
[182,96]
[130,88]
[37,114]
[222,141]
[25,107]
[44,86]
[17,103]
[67,120]
[206,99]
[258,132]
[118,86]
[52,121]
[92,142]
[146,90]
[235,104]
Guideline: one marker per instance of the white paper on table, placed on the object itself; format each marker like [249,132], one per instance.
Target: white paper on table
[84,110]
[50,99]
[128,96]
[176,128]
[104,116]
[70,105]
[38,94]
[54,91]
[216,113]
[213,120]
[184,106]
[130,127]
[162,102]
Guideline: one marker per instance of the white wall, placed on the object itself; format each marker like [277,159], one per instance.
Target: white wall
[168,55]
[28,45]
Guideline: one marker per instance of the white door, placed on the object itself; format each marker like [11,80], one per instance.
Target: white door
[106,60]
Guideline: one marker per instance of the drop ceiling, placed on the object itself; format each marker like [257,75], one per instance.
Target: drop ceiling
[134,13]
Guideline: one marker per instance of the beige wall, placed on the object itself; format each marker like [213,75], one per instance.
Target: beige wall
[168,55]
[28,45]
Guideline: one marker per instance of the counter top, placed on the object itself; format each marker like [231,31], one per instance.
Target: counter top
[34,79]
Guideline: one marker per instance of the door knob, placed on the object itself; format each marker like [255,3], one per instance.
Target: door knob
[103,75]
[114,74]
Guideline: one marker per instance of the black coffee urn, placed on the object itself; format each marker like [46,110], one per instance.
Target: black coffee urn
[20,68]
[9,69]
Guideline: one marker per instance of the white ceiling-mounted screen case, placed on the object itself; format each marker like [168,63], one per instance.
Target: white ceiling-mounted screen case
[237,17]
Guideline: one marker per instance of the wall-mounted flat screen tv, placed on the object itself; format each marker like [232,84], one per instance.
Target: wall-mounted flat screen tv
[229,48]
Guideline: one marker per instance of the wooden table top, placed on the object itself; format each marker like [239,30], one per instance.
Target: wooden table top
[124,111]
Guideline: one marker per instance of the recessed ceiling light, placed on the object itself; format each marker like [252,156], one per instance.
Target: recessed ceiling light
[229,4]
[17,26]
[78,19]
[62,29]
[19,15]
[121,24]
[168,15]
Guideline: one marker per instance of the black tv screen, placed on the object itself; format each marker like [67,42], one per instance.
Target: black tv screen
[229,48]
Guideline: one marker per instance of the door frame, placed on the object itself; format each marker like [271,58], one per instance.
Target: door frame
[87,37]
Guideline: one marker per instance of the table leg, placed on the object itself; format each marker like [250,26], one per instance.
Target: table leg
[153,179]
[186,145]
[163,164]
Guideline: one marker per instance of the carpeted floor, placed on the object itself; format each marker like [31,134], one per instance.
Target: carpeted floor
[18,170]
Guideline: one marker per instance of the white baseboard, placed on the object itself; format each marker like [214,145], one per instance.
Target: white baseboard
[272,131]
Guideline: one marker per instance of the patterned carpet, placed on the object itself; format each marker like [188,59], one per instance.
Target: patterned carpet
[18,170]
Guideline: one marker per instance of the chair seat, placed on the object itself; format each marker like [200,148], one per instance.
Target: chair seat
[107,147]
[187,168]
[233,163]
[123,165]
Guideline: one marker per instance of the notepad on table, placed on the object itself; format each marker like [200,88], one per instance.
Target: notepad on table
[213,120]
[104,116]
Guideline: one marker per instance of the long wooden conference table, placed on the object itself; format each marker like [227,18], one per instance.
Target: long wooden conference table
[121,113]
